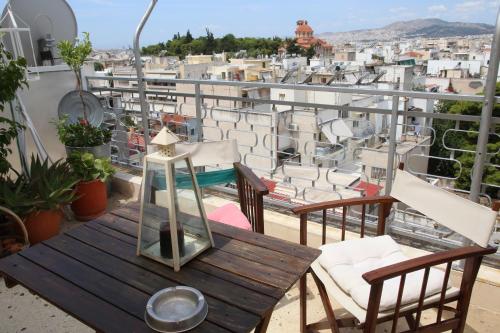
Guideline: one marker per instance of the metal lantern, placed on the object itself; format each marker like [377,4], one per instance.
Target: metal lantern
[173,226]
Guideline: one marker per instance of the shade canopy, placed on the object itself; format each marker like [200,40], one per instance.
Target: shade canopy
[211,153]
[468,218]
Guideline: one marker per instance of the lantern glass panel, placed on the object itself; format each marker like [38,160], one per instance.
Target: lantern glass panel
[172,213]
[189,212]
[155,210]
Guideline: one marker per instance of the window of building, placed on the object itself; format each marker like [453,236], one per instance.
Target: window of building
[223,75]
[378,173]
[355,123]
[281,97]
[323,80]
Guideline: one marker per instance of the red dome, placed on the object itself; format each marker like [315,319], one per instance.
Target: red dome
[302,26]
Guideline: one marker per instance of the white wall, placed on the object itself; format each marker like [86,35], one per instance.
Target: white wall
[434,66]
[41,101]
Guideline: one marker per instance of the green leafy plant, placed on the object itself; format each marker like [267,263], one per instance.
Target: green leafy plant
[88,168]
[74,54]
[12,74]
[46,187]
[81,134]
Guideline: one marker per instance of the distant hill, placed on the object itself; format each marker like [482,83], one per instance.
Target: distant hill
[413,28]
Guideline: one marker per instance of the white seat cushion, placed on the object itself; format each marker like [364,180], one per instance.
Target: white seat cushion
[347,261]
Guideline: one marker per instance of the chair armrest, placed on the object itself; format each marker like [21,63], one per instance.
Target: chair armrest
[343,203]
[254,181]
[412,265]
[496,205]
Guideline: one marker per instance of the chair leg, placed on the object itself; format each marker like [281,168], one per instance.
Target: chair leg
[262,326]
[410,320]
[302,298]
[326,304]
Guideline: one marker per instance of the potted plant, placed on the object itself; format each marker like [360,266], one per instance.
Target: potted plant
[84,137]
[91,190]
[81,135]
[39,196]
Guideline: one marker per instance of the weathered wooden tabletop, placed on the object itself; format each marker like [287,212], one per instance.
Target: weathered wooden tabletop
[92,272]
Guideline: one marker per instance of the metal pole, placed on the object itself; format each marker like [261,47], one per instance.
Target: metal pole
[486,114]
[392,145]
[197,93]
[140,74]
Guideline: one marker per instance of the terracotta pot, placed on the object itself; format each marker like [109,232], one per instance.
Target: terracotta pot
[92,200]
[43,225]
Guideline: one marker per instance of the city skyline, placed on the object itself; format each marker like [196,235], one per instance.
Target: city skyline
[112,23]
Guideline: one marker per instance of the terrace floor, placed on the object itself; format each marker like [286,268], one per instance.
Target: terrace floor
[20,311]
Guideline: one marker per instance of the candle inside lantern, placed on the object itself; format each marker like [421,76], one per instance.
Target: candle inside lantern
[166,240]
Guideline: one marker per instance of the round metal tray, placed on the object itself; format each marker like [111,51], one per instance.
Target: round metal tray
[176,309]
[71,105]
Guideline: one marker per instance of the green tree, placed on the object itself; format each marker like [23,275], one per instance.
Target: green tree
[464,141]
[292,47]
[228,43]
[210,44]
[98,67]
[189,38]
[310,53]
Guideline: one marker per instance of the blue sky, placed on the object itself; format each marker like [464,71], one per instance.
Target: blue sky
[112,23]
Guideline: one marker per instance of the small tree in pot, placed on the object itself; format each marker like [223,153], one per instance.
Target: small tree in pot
[91,189]
[82,135]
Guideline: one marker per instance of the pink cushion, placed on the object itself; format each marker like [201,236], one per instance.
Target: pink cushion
[231,215]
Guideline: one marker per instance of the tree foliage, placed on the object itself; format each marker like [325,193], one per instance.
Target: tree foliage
[183,45]
[293,48]
[464,141]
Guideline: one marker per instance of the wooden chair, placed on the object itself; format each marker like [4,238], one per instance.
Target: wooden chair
[251,191]
[461,215]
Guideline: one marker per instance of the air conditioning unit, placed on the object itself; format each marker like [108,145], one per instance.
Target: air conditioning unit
[292,127]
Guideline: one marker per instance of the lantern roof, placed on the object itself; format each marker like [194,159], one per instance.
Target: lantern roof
[165,137]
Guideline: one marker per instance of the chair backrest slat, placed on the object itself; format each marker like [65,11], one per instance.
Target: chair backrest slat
[422,297]
[443,292]
[363,217]
[323,235]
[344,212]
[398,303]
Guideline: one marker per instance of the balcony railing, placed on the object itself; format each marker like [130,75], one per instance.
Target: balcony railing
[291,145]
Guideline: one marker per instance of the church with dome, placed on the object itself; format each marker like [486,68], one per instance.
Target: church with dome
[304,36]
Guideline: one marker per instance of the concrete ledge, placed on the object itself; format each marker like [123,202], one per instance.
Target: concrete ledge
[127,185]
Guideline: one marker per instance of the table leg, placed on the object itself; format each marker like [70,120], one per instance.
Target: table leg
[302,298]
[262,326]
[9,283]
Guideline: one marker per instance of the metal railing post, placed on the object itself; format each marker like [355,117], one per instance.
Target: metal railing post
[392,144]
[197,96]
[140,74]
[486,114]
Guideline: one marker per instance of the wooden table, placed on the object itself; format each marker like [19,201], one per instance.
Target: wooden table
[92,273]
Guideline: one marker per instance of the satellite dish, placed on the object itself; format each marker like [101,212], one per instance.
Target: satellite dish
[72,107]
[49,20]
